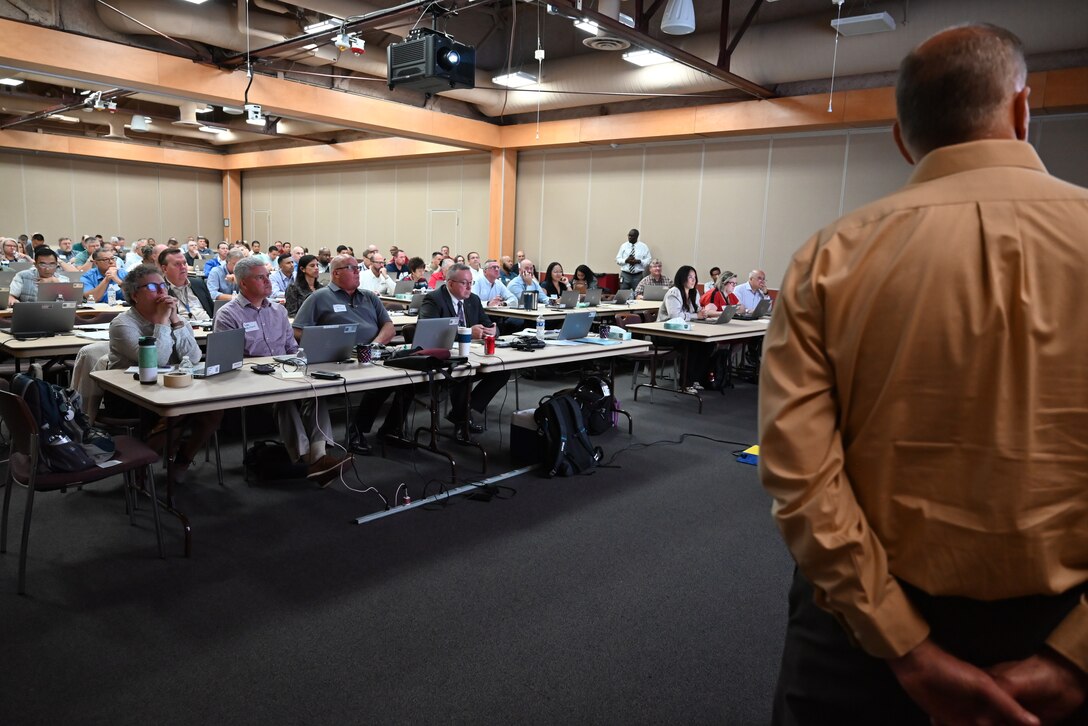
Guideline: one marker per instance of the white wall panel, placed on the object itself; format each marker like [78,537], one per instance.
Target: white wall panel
[615,199]
[670,204]
[731,206]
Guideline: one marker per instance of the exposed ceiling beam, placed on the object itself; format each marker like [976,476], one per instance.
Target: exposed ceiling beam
[726,52]
[642,40]
[110,95]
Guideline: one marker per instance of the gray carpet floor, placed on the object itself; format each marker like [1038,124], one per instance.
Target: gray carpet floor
[651,591]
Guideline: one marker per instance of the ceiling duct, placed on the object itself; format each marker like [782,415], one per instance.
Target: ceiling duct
[117,127]
[188,115]
[604,39]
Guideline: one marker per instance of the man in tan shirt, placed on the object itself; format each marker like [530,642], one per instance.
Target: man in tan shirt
[924,422]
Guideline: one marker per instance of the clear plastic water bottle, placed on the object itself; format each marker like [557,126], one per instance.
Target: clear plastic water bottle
[300,356]
[111,294]
[186,365]
[540,327]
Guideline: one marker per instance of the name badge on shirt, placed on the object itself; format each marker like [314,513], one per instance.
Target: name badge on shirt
[339,308]
[251,326]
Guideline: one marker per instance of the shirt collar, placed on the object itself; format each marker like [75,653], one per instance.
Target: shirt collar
[957,158]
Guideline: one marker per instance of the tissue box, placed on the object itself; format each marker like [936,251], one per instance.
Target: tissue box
[618,333]
[677,325]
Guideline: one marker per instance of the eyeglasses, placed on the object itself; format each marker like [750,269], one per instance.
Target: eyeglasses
[154,286]
[105,259]
[459,282]
[492,267]
[349,268]
[45,264]
[731,282]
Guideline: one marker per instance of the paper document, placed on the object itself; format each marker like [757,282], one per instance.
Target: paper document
[136,369]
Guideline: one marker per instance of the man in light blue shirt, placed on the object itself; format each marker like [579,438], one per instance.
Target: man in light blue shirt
[753,291]
[283,276]
[221,282]
[526,281]
[490,289]
[218,260]
[97,280]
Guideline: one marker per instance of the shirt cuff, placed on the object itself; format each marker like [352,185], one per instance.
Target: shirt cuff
[889,629]
[1070,638]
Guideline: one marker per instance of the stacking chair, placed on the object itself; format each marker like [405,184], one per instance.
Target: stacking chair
[131,454]
[656,356]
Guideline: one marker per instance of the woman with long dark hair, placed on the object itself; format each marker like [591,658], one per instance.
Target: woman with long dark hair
[682,301]
[584,279]
[304,285]
[554,282]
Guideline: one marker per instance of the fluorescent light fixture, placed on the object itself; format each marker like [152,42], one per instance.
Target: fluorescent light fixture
[10,82]
[864,24]
[210,129]
[645,58]
[65,119]
[627,20]
[323,25]
[233,110]
[586,25]
[310,46]
[196,2]
[515,80]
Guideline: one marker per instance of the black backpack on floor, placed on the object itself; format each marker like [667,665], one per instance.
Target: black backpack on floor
[567,448]
[60,425]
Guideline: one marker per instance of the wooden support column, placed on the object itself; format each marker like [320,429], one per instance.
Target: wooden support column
[232,207]
[504,177]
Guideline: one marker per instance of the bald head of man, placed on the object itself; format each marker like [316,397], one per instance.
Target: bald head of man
[966,83]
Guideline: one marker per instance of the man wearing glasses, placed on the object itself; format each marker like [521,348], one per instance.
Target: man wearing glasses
[456,300]
[97,280]
[24,286]
[489,287]
[341,302]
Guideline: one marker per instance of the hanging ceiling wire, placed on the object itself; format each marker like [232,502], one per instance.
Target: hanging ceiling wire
[835,57]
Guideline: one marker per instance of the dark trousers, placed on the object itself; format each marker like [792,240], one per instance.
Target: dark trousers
[630,280]
[372,401]
[825,679]
[489,384]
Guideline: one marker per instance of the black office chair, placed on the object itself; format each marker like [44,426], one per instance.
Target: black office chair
[23,464]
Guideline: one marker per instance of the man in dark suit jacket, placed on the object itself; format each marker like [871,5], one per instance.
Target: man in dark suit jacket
[456,300]
[185,287]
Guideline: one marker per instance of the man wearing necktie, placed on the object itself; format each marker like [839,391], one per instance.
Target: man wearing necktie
[633,258]
[456,300]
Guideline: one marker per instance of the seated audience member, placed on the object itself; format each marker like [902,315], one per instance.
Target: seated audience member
[490,290]
[376,279]
[459,260]
[25,246]
[194,300]
[445,250]
[456,300]
[153,314]
[555,284]
[221,282]
[440,274]
[436,262]
[714,272]
[343,302]
[417,273]
[202,246]
[84,260]
[473,261]
[584,279]
[135,256]
[753,291]
[398,266]
[220,258]
[721,293]
[65,255]
[324,257]
[526,282]
[255,251]
[192,255]
[12,251]
[36,240]
[97,280]
[654,278]
[340,250]
[304,284]
[297,252]
[24,286]
[304,425]
[283,276]
[509,270]
[682,301]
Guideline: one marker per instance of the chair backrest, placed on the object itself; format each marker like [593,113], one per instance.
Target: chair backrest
[408,332]
[90,358]
[649,316]
[22,427]
[625,319]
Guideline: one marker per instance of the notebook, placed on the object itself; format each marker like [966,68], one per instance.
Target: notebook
[70,291]
[225,350]
[758,312]
[435,333]
[42,319]
[654,292]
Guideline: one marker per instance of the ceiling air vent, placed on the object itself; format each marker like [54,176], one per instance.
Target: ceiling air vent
[602,41]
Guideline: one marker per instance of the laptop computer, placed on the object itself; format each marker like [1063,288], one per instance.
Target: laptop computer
[593,297]
[417,303]
[69,291]
[404,287]
[567,301]
[224,353]
[761,309]
[435,333]
[622,297]
[575,327]
[328,343]
[19,266]
[654,292]
[42,319]
[727,314]
[217,305]
[5,293]
[6,276]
